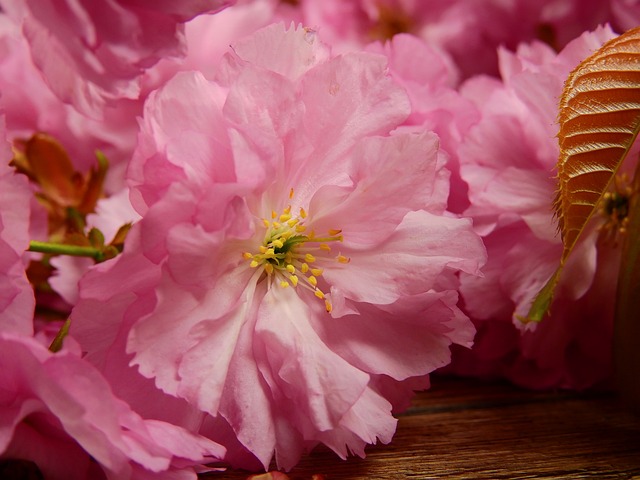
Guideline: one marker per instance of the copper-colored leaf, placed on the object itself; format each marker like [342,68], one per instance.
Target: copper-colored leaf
[120,236]
[94,190]
[599,120]
[53,170]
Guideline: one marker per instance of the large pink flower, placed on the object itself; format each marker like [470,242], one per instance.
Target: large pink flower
[294,269]
[91,52]
[59,413]
[507,161]
[16,295]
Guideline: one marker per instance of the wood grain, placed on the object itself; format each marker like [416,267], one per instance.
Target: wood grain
[469,429]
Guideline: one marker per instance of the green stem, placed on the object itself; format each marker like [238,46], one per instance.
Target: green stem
[56,345]
[62,249]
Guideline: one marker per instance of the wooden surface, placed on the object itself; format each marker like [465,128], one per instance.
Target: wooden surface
[471,429]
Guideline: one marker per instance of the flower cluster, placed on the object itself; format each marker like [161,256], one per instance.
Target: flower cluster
[233,231]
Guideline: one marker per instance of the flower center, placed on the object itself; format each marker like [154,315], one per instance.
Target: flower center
[391,22]
[294,256]
[615,208]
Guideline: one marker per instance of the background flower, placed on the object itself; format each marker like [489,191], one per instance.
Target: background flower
[59,413]
[91,52]
[16,296]
[508,160]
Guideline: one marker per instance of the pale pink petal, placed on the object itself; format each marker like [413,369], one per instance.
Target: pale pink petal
[408,261]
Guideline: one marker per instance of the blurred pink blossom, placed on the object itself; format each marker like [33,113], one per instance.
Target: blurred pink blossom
[58,412]
[293,274]
[508,160]
[93,52]
[16,295]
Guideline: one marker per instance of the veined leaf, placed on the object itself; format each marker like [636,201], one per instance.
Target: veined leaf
[599,119]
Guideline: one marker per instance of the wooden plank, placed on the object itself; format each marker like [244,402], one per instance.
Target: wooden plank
[470,429]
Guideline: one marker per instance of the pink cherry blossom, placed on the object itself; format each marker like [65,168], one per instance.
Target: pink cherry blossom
[508,160]
[30,106]
[16,295]
[59,413]
[92,52]
[293,274]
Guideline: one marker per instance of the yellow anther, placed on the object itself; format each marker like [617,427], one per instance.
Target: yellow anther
[300,228]
[270,252]
[274,214]
[287,210]
[309,258]
[277,243]
[294,280]
[276,225]
[333,232]
[325,247]
[262,249]
[316,272]
[290,194]
[268,267]
[254,264]
[288,257]
[284,217]
[318,293]
[343,259]
[303,213]
[266,223]
[328,306]
[290,268]
[247,256]
[284,284]
[293,222]
[304,268]
[313,281]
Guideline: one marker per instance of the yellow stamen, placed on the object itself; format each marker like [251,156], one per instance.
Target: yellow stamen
[285,254]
